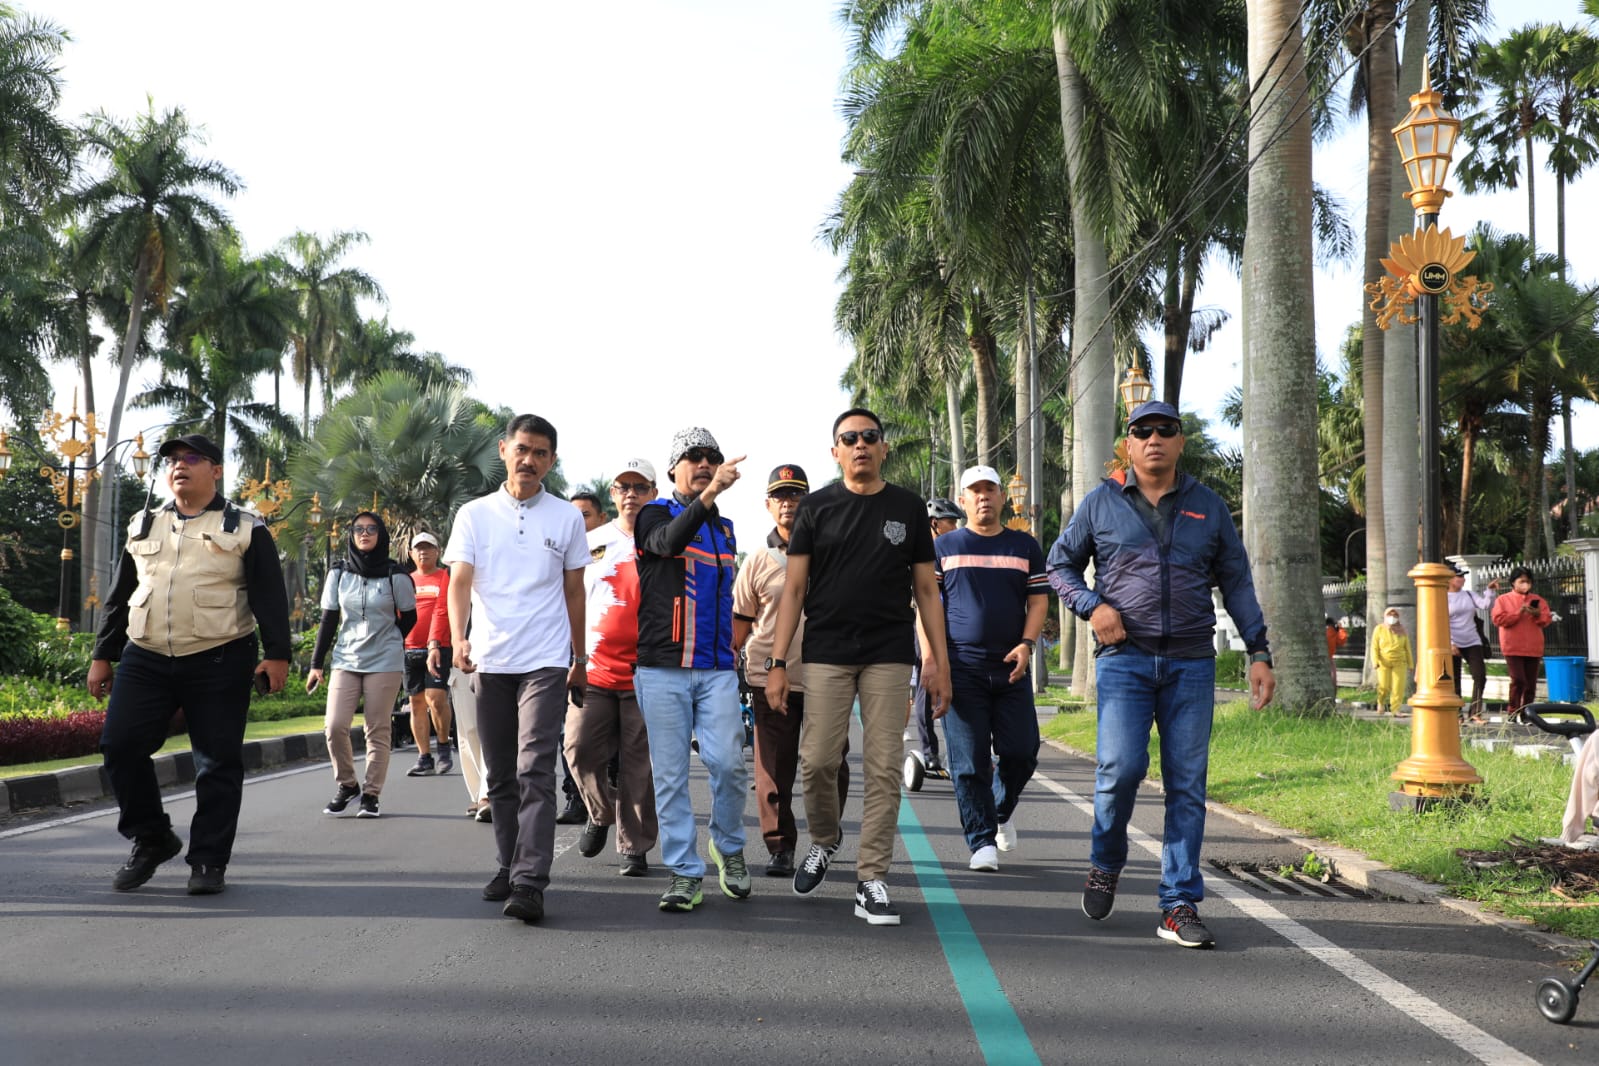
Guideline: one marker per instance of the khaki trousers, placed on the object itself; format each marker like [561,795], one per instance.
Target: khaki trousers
[830,693]
[463,698]
[609,724]
[374,693]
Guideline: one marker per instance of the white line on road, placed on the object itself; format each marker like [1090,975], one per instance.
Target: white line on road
[1401,997]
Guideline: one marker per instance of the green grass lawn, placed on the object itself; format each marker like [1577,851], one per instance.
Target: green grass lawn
[1328,778]
[252,731]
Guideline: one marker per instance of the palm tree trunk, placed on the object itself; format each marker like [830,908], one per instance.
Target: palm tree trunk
[1468,455]
[1093,356]
[1401,441]
[1571,468]
[1532,200]
[985,370]
[130,349]
[88,617]
[1021,379]
[957,429]
[1281,513]
[1539,411]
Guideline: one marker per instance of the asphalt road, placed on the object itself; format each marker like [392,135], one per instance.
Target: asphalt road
[358,941]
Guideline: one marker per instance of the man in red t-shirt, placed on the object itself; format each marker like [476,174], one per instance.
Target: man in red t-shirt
[607,725]
[429,692]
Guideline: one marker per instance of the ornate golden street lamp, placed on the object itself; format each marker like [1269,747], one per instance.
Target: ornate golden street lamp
[1423,267]
[1135,388]
[1016,492]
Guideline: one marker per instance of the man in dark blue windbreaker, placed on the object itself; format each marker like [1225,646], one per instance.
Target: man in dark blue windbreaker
[1158,541]
[685,682]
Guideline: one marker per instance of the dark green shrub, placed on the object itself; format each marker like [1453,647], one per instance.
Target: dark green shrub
[16,635]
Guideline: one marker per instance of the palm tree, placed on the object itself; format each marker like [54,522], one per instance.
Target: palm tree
[1281,510]
[149,214]
[327,295]
[378,346]
[227,329]
[35,149]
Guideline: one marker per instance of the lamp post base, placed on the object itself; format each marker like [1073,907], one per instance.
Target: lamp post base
[1414,804]
[1435,771]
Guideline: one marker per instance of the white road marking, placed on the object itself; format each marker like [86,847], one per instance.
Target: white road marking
[1467,1037]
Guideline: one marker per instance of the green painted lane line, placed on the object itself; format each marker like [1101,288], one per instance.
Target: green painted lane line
[1000,1035]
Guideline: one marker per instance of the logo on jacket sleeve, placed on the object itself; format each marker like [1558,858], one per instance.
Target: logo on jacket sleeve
[894,532]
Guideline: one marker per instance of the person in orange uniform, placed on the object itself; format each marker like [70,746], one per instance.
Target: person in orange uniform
[429,692]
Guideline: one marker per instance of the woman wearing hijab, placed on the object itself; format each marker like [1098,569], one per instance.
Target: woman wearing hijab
[376,601]
[1521,615]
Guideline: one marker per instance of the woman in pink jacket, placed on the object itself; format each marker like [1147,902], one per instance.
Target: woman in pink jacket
[1521,617]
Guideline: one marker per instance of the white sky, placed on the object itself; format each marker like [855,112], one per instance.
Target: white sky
[616,230]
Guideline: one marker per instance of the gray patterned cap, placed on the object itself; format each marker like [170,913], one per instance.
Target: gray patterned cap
[684,439]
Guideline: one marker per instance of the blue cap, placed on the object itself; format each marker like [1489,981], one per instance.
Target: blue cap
[1154,409]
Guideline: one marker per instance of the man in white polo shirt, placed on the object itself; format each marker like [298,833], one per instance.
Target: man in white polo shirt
[516,562]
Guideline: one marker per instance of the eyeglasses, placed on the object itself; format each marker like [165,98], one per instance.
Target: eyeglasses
[187,458]
[636,488]
[785,494]
[363,529]
[1165,429]
[701,455]
[850,436]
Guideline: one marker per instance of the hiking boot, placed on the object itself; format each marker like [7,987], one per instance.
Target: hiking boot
[526,903]
[423,767]
[1005,835]
[781,864]
[813,869]
[592,840]
[732,872]
[574,813]
[985,858]
[634,866]
[206,880]
[148,853]
[872,903]
[684,895]
[1181,925]
[369,806]
[1099,895]
[499,887]
[341,799]
[446,764]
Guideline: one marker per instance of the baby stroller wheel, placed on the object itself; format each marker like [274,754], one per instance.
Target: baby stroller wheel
[1557,1000]
[914,773]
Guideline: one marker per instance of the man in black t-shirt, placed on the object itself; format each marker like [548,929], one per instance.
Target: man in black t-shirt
[860,552]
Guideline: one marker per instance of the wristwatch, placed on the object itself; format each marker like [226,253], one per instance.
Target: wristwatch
[580,660]
[1030,642]
[773,664]
[1260,657]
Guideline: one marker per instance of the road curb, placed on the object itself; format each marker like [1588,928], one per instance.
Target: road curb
[87,784]
[1372,876]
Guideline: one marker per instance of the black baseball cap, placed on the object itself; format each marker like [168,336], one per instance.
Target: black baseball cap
[787,476]
[192,442]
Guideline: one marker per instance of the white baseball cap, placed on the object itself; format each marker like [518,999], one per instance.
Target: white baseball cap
[974,474]
[424,537]
[642,467]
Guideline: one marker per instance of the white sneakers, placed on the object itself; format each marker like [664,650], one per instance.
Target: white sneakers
[985,858]
[1005,835]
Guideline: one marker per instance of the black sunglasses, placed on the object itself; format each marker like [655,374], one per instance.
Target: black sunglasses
[1165,429]
[363,528]
[700,455]
[850,436]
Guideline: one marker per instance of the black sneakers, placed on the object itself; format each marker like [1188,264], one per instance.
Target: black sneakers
[148,853]
[1181,925]
[781,864]
[369,806]
[423,767]
[574,813]
[499,888]
[446,764]
[592,840]
[813,869]
[1099,895]
[206,880]
[526,903]
[634,866]
[872,903]
[341,799]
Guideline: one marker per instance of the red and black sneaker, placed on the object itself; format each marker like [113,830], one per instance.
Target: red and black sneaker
[1181,925]
[1099,895]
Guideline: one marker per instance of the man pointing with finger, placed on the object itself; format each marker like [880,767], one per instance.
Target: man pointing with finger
[685,681]
[1158,541]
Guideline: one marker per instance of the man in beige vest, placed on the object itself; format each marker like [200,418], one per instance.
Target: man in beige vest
[197,577]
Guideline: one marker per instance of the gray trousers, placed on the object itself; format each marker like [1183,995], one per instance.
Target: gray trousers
[519,720]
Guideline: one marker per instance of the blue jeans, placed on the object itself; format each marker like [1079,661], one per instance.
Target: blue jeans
[986,706]
[679,704]
[1176,696]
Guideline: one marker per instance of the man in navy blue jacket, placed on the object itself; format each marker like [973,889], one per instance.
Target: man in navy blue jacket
[1158,541]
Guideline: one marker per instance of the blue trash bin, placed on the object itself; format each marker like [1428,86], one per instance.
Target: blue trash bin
[1564,673]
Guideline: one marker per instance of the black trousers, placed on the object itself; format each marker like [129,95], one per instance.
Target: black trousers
[213,689]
